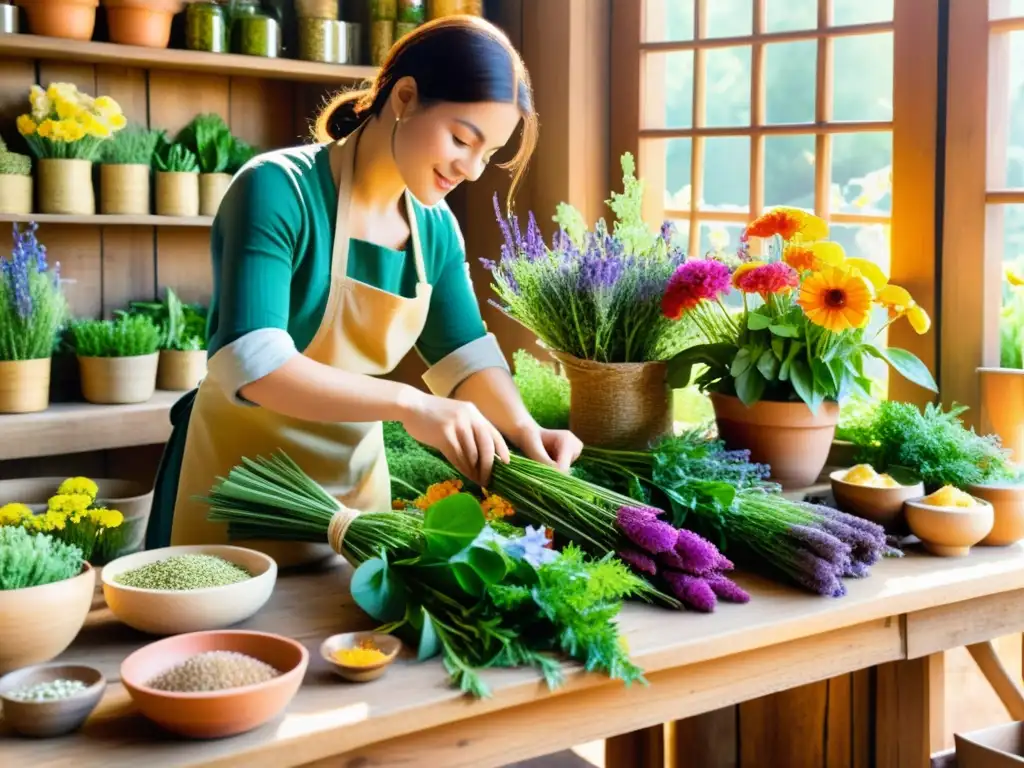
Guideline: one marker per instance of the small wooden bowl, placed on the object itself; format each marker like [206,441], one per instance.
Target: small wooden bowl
[215,714]
[389,645]
[172,612]
[879,505]
[57,717]
[949,531]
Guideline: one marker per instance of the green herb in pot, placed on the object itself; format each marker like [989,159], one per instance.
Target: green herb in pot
[134,145]
[174,158]
[13,163]
[127,336]
[182,326]
[207,137]
[35,559]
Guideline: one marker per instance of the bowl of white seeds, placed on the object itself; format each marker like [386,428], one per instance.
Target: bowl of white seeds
[50,699]
[197,588]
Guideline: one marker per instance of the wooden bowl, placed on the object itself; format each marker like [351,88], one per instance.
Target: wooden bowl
[172,612]
[879,505]
[949,531]
[215,714]
[38,623]
[389,645]
[1008,508]
[56,717]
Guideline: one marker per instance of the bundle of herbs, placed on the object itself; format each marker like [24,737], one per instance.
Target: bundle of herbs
[444,580]
[932,443]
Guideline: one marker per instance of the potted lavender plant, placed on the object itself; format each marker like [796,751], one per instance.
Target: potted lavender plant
[32,311]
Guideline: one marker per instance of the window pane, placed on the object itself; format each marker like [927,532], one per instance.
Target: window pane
[787,15]
[727,86]
[862,173]
[790,78]
[676,156]
[1008,220]
[862,78]
[864,241]
[1005,9]
[668,84]
[1008,110]
[789,171]
[719,236]
[1013,232]
[668,20]
[729,18]
[846,12]
[726,174]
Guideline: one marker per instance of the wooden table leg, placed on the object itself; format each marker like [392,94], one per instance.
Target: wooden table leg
[910,720]
[1009,693]
[639,749]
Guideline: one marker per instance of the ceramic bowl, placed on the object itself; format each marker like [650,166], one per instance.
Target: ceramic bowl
[172,612]
[949,531]
[215,714]
[1008,507]
[879,505]
[389,645]
[50,718]
[38,623]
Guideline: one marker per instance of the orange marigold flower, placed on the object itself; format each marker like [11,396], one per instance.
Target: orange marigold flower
[495,507]
[836,300]
[437,492]
[789,224]
[801,258]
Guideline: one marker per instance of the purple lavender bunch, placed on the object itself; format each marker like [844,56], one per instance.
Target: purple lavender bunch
[32,306]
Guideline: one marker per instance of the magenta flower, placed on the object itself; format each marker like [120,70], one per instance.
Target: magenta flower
[694,281]
[696,554]
[726,589]
[767,279]
[694,591]
[640,561]
[650,534]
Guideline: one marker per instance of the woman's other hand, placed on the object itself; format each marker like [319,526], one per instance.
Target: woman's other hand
[555,447]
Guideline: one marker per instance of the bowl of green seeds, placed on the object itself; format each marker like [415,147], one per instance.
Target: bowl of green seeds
[173,590]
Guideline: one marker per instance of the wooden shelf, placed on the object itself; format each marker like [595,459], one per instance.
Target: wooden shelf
[98,220]
[78,427]
[55,48]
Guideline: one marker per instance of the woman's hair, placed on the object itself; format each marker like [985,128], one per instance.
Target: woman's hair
[455,58]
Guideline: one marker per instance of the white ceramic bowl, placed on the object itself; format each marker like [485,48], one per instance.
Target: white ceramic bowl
[172,612]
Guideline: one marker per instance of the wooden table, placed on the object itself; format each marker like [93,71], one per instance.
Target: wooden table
[909,610]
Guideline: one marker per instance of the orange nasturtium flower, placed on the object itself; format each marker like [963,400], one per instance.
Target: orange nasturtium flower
[789,224]
[835,299]
[437,492]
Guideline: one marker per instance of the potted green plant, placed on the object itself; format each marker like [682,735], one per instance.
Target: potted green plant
[182,340]
[15,181]
[219,155]
[117,359]
[125,167]
[32,311]
[177,180]
[141,22]
[74,19]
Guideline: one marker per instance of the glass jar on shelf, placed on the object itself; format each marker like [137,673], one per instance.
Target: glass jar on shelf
[206,27]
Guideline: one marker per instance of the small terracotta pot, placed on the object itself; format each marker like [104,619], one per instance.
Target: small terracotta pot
[120,380]
[177,194]
[1008,505]
[788,437]
[124,189]
[65,186]
[180,371]
[141,22]
[1002,407]
[949,531]
[24,385]
[15,193]
[212,187]
[74,19]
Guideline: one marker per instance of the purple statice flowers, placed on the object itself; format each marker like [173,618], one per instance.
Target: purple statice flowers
[690,565]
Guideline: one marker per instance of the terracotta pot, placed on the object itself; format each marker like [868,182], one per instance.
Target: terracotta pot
[121,380]
[1002,407]
[65,186]
[177,193]
[1008,506]
[141,22]
[15,193]
[212,187]
[73,19]
[617,405]
[786,436]
[37,624]
[24,385]
[124,189]
[180,371]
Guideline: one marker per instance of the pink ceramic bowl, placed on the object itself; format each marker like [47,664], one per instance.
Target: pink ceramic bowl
[215,714]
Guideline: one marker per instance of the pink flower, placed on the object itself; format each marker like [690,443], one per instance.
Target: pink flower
[693,591]
[639,561]
[766,279]
[648,533]
[693,282]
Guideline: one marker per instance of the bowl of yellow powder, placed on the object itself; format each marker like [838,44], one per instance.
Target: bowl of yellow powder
[173,590]
[875,496]
[360,656]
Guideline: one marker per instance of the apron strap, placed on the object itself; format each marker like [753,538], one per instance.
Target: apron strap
[414,235]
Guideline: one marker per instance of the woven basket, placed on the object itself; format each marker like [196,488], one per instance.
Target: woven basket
[65,186]
[177,193]
[617,405]
[124,189]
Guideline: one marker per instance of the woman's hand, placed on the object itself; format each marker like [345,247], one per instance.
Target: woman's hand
[459,431]
[555,447]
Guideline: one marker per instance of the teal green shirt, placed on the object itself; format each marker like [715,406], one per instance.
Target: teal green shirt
[272,242]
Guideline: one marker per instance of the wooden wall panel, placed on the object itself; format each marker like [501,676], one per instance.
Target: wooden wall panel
[16,77]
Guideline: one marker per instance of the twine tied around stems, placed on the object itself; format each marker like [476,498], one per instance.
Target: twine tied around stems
[339,525]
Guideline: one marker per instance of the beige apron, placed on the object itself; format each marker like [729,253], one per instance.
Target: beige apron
[364,330]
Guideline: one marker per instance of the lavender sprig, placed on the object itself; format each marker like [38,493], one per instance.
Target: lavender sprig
[32,304]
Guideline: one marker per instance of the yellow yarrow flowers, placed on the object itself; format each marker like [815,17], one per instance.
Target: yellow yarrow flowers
[64,123]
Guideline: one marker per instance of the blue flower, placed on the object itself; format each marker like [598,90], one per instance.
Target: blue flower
[531,547]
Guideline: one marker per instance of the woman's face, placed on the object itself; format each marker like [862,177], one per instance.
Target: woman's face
[438,147]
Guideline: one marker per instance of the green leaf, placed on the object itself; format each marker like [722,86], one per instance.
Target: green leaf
[785,331]
[742,363]
[378,590]
[803,380]
[779,347]
[477,568]
[768,365]
[429,643]
[750,386]
[824,381]
[907,364]
[451,524]
[758,322]
[680,367]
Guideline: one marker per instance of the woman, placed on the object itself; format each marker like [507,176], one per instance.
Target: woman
[331,261]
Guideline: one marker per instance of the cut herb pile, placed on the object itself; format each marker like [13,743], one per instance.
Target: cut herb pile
[933,444]
[444,580]
[544,390]
[184,572]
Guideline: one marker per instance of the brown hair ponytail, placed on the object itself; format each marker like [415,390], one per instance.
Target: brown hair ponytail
[456,58]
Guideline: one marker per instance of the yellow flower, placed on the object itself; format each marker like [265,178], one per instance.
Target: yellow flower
[67,109]
[868,270]
[117,122]
[106,518]
[71,130]
[41,104]
[745,267]
[919,319]
[813,256]
[14,513]
[48,129]
[94,126]
[69,503]
[1011,276]
[26,125]
[495,507]
[82,486]
[437,492]
[836,300]
[107,106]
[899,302]
[48,521]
